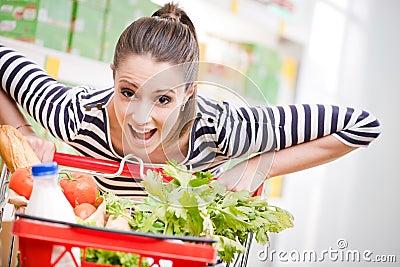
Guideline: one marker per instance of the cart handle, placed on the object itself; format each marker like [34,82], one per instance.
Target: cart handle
[112,168]
[117,168]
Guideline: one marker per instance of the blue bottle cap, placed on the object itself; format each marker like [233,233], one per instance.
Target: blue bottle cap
[48,168]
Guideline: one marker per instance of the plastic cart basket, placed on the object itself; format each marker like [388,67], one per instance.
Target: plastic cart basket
[37,237]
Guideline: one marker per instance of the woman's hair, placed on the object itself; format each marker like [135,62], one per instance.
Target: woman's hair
[167,36]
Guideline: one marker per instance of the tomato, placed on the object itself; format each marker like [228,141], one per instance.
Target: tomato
[21,182]
[84,210]
[79,188]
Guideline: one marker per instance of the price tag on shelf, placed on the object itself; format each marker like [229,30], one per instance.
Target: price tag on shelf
[52,66]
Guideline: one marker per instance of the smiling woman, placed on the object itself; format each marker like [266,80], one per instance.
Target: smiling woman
[146,110]
[153,111]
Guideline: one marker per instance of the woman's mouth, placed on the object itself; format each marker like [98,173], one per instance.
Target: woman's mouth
[142,135]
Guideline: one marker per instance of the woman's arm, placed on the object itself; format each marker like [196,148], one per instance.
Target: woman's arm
[308,155]
[301,136]
[56,107]
[10,114]
[251,173]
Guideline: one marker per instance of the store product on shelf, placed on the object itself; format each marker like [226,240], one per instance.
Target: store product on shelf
[46,23]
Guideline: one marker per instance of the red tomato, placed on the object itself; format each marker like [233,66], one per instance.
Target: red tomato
[21,182]
[84,210]
[79,188]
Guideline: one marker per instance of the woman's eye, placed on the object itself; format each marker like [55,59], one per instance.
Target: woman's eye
[164,100]
[128,93]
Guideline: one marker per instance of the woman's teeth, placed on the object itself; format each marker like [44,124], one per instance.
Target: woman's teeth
[143,134]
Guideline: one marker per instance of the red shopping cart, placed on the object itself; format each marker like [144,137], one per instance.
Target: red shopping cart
[37,236]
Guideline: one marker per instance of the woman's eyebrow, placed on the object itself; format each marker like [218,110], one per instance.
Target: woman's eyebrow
[172,90]
[131,83]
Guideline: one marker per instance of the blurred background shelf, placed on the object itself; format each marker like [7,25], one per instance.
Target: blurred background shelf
[72,69]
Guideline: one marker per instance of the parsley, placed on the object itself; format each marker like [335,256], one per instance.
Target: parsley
[194,204]
[114,258]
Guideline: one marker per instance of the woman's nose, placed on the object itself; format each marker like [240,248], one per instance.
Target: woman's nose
[141,114]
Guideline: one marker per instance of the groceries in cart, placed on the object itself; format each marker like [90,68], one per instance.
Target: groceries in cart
[192,204]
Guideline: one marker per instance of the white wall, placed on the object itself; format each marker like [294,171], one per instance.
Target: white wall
[352,58]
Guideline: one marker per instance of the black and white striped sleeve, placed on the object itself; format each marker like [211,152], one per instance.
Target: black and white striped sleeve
[49,102]
[246,130]
[302,123]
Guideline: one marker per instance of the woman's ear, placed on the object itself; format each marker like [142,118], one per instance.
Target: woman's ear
[190,91]
[113,69]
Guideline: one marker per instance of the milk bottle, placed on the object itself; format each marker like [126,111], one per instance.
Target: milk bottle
[48,201]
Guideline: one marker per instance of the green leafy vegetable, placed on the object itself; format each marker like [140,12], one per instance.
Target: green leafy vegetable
[195,204]
[100,256]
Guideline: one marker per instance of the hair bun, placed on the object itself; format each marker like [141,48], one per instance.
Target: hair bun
[173,12]
[171,16]
[169,10]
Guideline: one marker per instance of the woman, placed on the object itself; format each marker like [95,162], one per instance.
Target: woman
[153,111]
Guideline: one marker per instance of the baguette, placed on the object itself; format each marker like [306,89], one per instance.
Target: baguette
[15,150]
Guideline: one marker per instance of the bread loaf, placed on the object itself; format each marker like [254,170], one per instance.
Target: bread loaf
[15,150]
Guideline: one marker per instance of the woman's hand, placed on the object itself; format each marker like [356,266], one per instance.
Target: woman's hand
[43,148]
[249,174]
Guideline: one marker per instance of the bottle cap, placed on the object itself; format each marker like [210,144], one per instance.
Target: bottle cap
[48,168]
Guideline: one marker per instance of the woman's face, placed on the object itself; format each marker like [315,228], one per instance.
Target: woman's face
[148,99]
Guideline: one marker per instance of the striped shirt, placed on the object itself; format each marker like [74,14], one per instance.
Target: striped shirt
[78,116]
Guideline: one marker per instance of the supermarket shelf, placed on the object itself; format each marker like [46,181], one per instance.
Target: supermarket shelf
[252,22]
[72,69]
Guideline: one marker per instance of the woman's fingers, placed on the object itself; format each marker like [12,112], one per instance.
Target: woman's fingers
[43,148]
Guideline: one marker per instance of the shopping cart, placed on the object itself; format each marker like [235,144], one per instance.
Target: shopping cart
[37,235]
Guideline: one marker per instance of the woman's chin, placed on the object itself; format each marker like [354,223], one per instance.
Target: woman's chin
[140,147]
